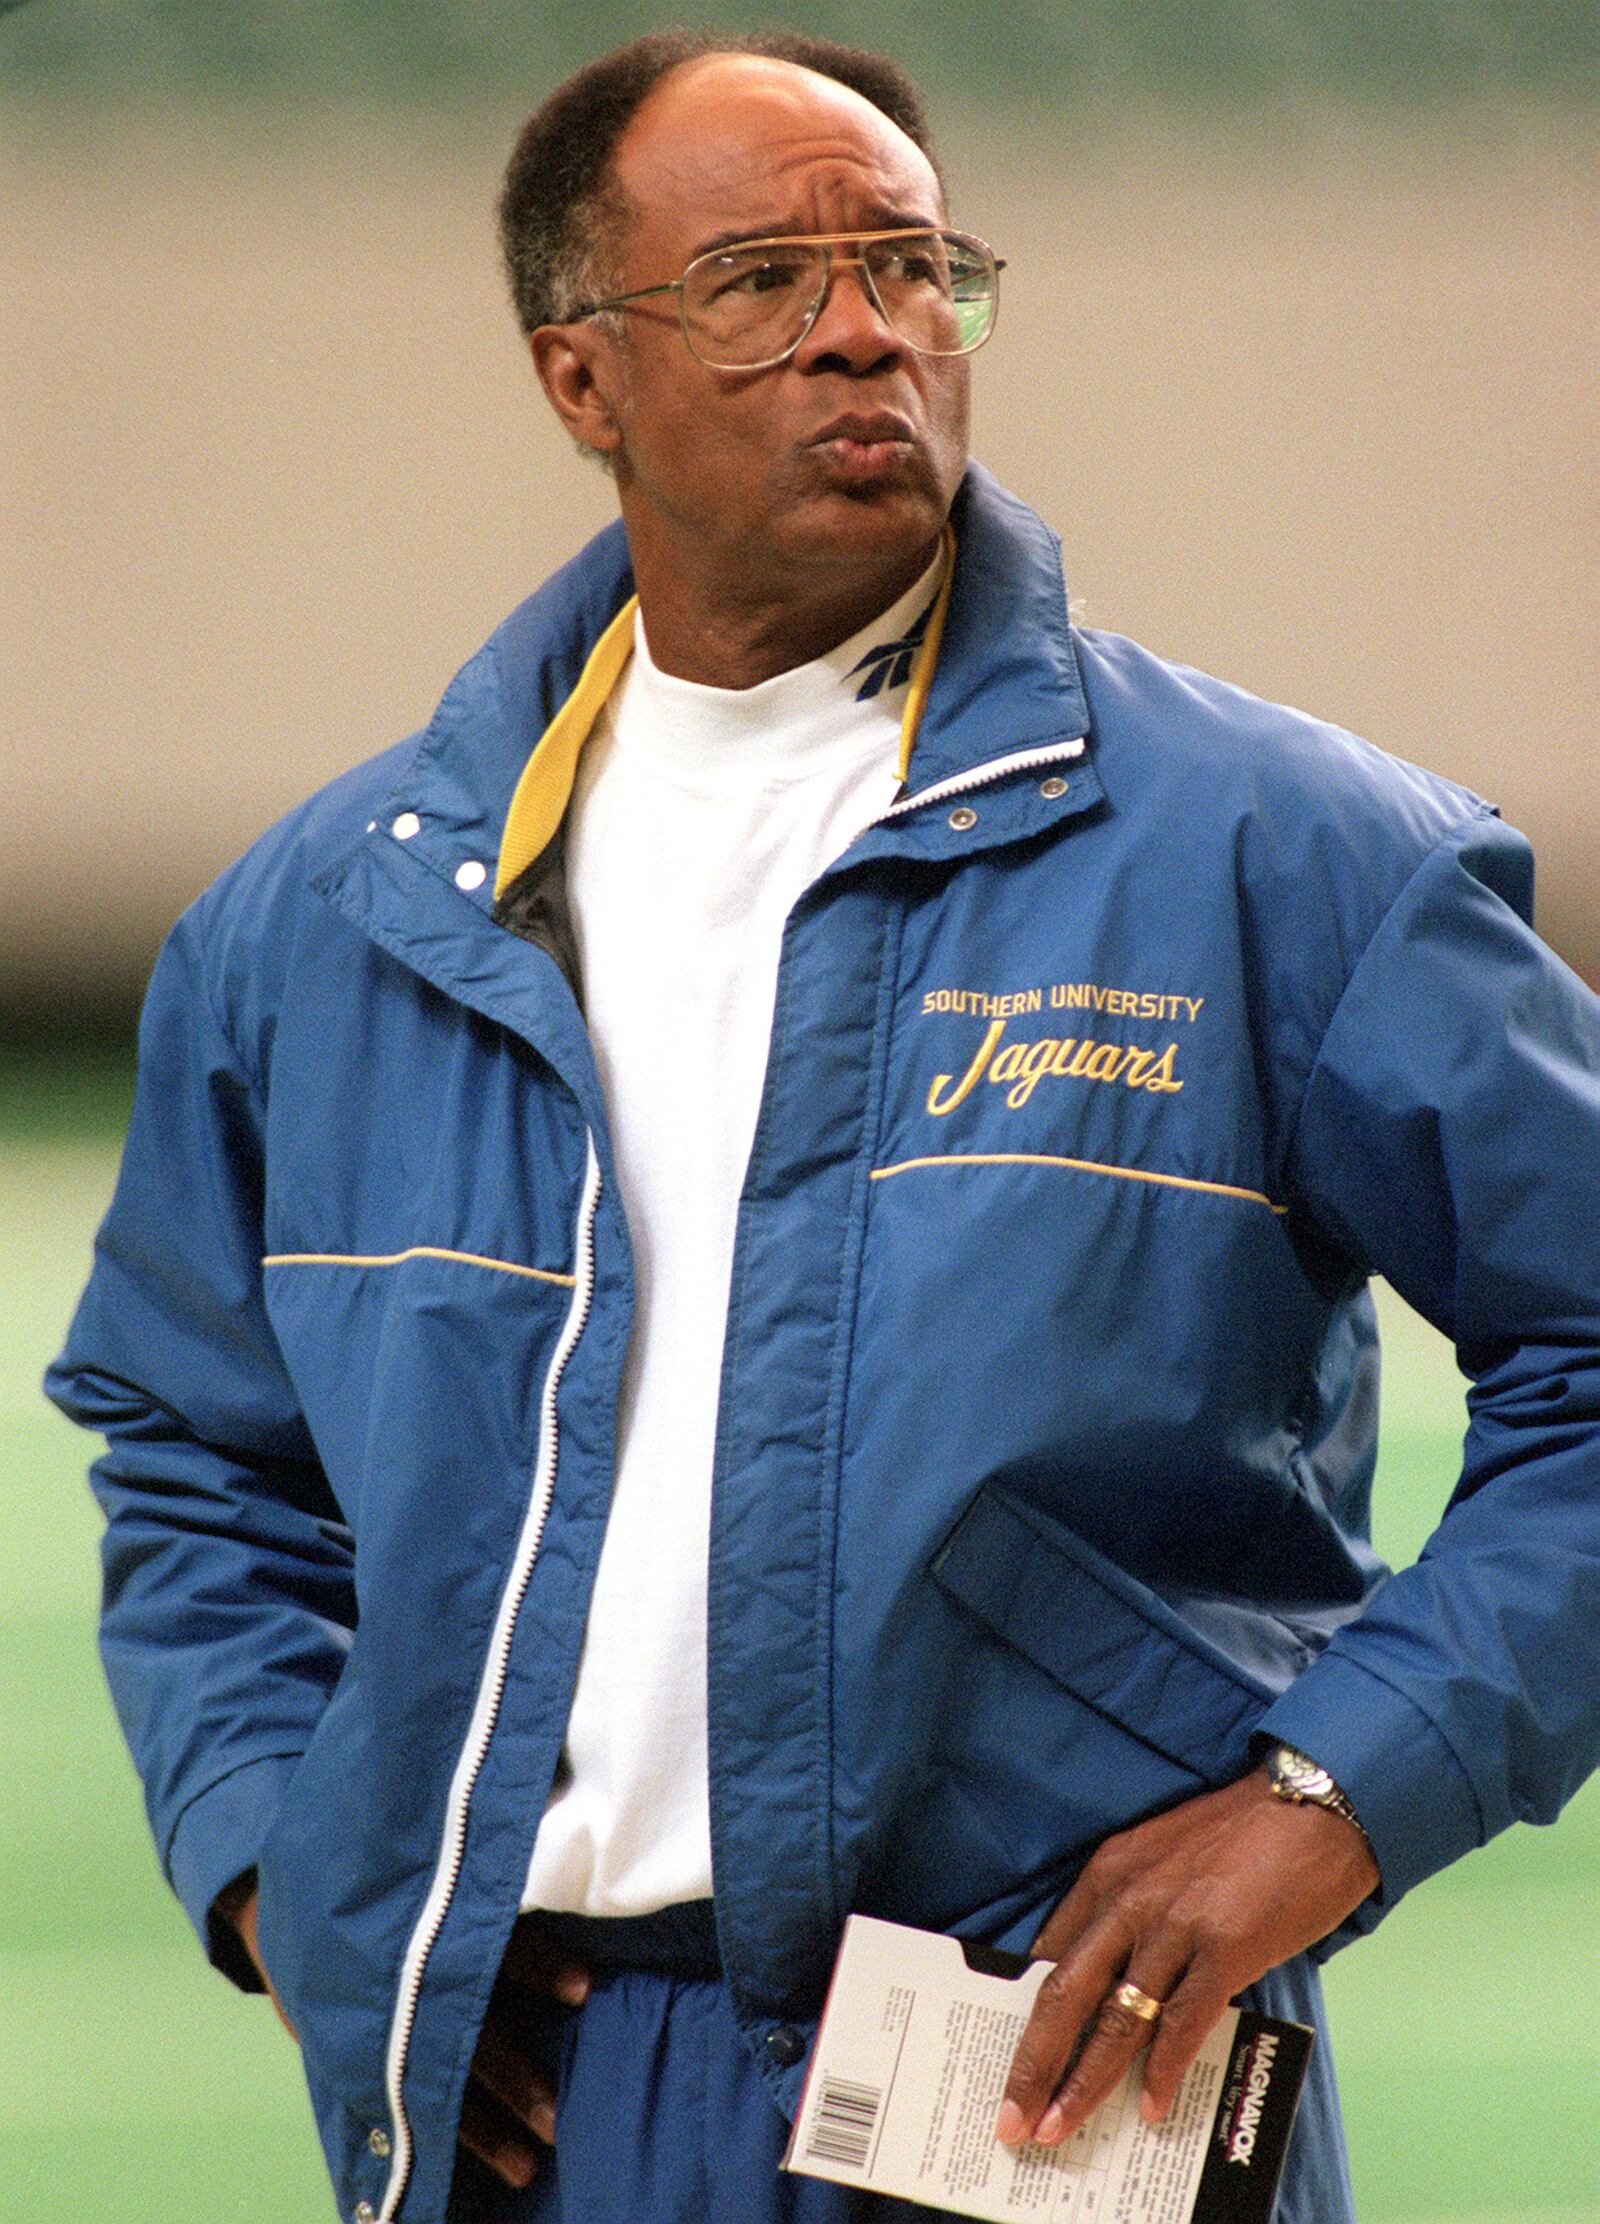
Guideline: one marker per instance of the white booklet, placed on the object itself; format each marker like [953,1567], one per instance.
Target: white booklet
[909,2068]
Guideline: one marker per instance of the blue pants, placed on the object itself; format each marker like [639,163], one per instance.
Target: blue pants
[663,2118]
[661,2114]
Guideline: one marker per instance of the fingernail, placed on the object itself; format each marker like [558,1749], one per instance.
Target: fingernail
[1008,2125]
[1148,2109]
[573,1988]
[1051,2124]
[517,2165]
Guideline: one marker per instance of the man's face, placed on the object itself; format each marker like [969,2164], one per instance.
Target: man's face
[852,448]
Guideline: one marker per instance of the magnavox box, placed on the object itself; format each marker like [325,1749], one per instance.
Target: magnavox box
[908,2071]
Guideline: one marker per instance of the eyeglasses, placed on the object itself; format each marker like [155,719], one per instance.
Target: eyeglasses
[746,307]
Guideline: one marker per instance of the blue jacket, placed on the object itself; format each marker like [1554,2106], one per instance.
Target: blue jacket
[1105,1068]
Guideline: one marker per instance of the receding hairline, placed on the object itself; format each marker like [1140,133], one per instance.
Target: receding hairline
[833,91]
[560,193]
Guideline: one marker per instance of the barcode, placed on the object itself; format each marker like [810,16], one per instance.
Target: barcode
[841,2128]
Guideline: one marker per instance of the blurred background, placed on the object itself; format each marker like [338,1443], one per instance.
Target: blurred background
[1292,355]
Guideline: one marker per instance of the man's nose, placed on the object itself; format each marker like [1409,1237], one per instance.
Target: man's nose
[850,329]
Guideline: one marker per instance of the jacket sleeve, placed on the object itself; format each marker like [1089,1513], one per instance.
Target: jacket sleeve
[228,1601]
[1449,1138]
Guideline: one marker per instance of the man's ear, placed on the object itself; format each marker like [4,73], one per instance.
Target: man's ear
[577,369]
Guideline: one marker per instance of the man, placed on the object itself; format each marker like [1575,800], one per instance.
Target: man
[834,1027]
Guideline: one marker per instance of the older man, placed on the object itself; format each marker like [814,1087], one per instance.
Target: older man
[739,1287]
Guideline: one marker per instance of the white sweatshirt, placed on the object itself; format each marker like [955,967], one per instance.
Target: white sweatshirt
[698,816]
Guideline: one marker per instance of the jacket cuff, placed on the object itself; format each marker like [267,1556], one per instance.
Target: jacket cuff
[217,1838]
[1411,1794]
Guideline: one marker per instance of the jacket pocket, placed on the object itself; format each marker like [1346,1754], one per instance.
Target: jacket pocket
[1100,1634]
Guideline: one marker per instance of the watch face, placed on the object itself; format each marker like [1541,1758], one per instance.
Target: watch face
[1301,1773]
[1295,1776]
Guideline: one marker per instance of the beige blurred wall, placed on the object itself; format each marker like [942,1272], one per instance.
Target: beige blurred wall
[1309,412]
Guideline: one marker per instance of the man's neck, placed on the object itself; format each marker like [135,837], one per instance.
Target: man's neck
[737,632]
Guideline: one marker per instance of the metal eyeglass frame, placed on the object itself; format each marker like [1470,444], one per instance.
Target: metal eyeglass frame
[827,241]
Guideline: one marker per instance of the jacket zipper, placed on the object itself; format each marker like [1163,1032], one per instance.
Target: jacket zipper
[486,1707]
[492,1685]
[962,783]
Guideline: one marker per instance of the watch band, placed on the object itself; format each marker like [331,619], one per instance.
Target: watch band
[1296,1777]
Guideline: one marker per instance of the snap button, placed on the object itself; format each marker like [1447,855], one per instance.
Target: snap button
[785,2045]
[378,2141]
[365,2213]
[405,826]
[471,875]
[1052,787]
[962,817]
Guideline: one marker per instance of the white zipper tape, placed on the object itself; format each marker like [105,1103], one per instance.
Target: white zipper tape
[486,1707]
[962,783]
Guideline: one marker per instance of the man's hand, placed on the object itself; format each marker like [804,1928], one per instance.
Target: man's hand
[238,1905]
[1190,1907]
[506,2097]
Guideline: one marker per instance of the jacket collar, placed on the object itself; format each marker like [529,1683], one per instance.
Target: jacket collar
[494,769]
[1005,684]
[1007,677]
[544,788]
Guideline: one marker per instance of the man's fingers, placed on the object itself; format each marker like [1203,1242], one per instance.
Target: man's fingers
[1115,2039]
[1185,2022]
[501,2065]
[1062,2008]
[487,2131]
[532,1960]
[1071,1918]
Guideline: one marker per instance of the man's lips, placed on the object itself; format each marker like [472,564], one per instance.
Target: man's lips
[866,426]
[861,445]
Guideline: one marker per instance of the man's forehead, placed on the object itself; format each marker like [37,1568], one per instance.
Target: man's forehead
[731,136]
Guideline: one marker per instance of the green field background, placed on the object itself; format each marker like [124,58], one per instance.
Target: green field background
[136,2087]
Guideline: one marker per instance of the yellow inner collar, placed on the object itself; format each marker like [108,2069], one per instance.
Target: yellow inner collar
[544,788]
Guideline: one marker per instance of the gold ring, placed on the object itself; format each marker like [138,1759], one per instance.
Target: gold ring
[1137,2003]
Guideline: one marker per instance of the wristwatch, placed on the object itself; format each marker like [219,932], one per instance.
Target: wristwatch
[1296,1777]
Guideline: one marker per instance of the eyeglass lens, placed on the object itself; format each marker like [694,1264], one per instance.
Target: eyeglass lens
[749,305]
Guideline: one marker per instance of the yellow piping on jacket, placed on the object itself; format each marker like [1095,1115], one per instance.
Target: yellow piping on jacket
[1079,1166]
[544,788]
[416,1251]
